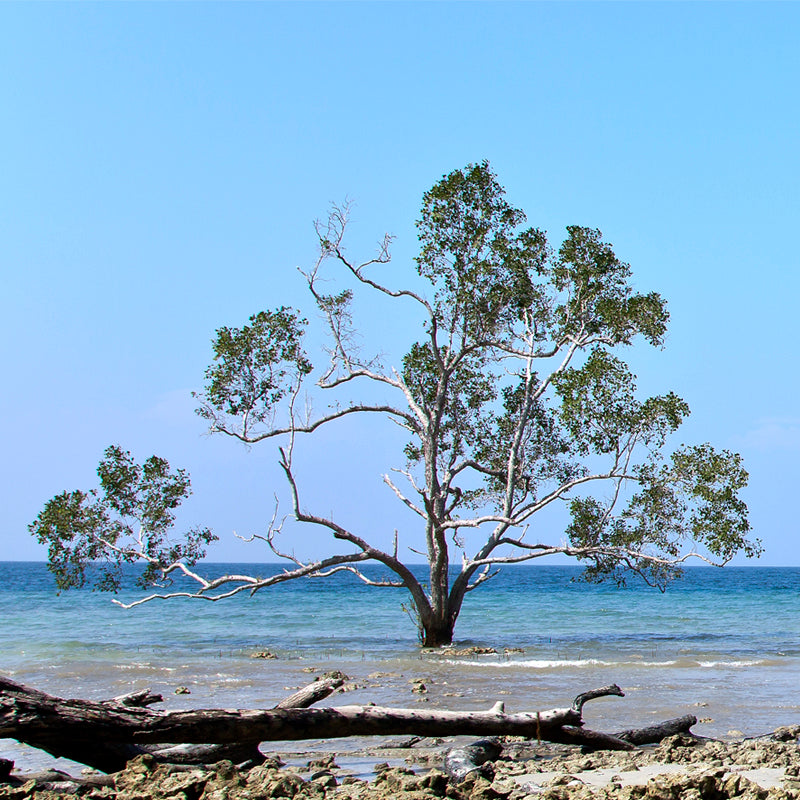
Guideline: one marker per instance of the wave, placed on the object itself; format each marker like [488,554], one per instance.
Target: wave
[687,663]
[761,662]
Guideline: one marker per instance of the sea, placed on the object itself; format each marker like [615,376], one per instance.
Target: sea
[722,644]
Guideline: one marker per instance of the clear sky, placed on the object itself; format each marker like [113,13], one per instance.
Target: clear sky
[162,165]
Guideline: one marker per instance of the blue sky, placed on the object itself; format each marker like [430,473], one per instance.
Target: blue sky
[162,165]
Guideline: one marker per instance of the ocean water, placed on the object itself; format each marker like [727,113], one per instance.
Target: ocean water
[723,644]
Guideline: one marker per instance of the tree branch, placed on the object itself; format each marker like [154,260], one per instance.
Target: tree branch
[311,427]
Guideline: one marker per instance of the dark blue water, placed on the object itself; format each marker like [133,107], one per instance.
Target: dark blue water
[721,643]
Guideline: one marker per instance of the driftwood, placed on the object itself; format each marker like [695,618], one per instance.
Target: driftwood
[82,730]
[61,783]
[314,692]
[105,735]
[653,734]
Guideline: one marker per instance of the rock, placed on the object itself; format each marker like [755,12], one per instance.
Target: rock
[335,674]
[17,792]
[482,790]
[270,782]
[787,733]
[705,771]
[395,777]
[476,757]
[437,782]
[327,762]
[325,778]
[468,651]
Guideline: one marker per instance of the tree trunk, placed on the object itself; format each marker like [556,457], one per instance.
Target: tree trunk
[437,633]
[435,622]
[437,625]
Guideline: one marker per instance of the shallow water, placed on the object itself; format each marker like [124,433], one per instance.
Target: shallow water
[722,644]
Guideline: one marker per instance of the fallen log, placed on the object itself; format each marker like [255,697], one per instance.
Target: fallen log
[59,720]
[115,756]
[138,699]
[605,691]
[58,782]
[105,735]
[478,756]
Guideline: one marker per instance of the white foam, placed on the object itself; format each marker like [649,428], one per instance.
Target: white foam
[596,662]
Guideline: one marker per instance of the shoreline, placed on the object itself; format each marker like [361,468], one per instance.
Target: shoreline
[436,683]
[685,766]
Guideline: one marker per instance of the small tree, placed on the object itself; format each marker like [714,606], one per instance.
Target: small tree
[514,398]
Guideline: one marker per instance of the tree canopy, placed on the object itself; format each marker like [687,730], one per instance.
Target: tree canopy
[514,396]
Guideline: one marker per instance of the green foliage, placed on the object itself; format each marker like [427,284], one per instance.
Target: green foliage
[506,302]
[693,498]
[127,519]
[599,300]
[600,411]
[256,366]
[481,267]
[503,300]
[544,455]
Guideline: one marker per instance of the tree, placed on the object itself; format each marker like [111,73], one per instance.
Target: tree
[514,398]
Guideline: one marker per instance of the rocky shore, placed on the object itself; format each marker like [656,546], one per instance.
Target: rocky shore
[681,767]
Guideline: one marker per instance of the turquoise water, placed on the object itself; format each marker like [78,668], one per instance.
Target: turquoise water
[722,644]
